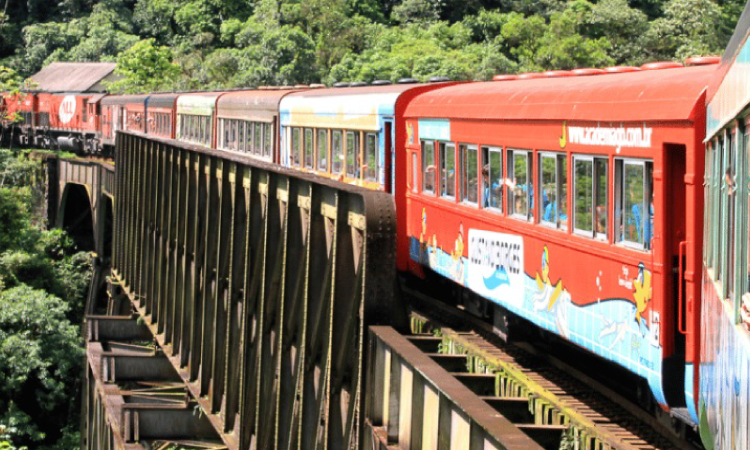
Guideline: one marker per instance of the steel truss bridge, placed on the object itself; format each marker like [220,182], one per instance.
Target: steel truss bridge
[237,305]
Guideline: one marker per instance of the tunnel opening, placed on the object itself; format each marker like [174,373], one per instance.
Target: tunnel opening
[78,220]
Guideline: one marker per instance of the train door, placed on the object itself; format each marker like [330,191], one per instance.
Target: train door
[673,315]
[390,156]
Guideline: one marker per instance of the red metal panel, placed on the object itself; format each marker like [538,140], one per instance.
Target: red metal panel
[653,95]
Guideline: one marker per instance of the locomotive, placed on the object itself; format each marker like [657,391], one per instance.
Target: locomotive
[572,200]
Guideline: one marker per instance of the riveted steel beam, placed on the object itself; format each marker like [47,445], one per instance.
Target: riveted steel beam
[258,284]
[414,402]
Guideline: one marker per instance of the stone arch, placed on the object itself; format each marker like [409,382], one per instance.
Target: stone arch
[77,216]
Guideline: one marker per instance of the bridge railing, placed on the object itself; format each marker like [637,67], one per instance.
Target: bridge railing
[258,284]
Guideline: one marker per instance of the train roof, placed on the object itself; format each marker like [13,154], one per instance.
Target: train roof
[251,104]
[124,99]
[346,107]
[199,103]
[647,95]
[162,100]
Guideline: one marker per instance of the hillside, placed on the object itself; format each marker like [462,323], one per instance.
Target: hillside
[206,44]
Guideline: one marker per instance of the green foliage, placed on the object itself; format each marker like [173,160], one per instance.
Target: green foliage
[215,44]
[41,353]
[43,286]
[145,67]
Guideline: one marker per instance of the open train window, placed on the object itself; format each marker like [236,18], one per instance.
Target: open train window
[296,147]
[241,132]
[258,138]
[428,167]
[309,148]
[492,178]
[553,187]
[521,184]
[323,150]
[634,204]
[267,140]
[371,157]
[337,151]
[469,173]
[447,160]
[590,182]
[352,154]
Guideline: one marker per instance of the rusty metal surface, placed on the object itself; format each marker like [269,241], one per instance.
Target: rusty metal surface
[414,402]
[258,285]
[133,395]
[250,105]
[71,76]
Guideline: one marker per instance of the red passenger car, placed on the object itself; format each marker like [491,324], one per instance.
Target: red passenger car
[569,202]
[160,113]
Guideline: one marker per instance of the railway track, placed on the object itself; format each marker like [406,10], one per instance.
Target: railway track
[531,388]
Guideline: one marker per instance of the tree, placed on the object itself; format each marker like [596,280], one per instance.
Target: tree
[417,11]
[145,67]
[688,28]
[41,354]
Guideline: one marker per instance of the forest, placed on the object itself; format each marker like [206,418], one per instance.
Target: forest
[211,44]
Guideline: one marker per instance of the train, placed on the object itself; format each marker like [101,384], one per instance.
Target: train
[608,207]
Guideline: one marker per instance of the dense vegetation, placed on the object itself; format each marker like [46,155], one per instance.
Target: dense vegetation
[205,44]
[43,286]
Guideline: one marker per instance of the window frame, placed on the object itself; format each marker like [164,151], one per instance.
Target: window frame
[376,157]
[353,136]
[620,186]
[510,153]
[324,133]
[443,183]
[561,198]
[432,168]
[593,233]
[464,188]
[499,207]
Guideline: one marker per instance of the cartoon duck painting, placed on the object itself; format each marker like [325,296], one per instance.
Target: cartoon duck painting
[548,294]
[551,298]
[642,294]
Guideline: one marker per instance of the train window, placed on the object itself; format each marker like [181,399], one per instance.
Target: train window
[428,167]
[296,147]
[371,157]
[492,178]
[258,138]
[634,207]
[239,139]
[601,197]
[309,148]
[447,160]
[553,179]
[323,150]
[267,140]
[352,154]
[469,173]
[730,182]
[590,200]
[337,151]
[521,183]
[584,197]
